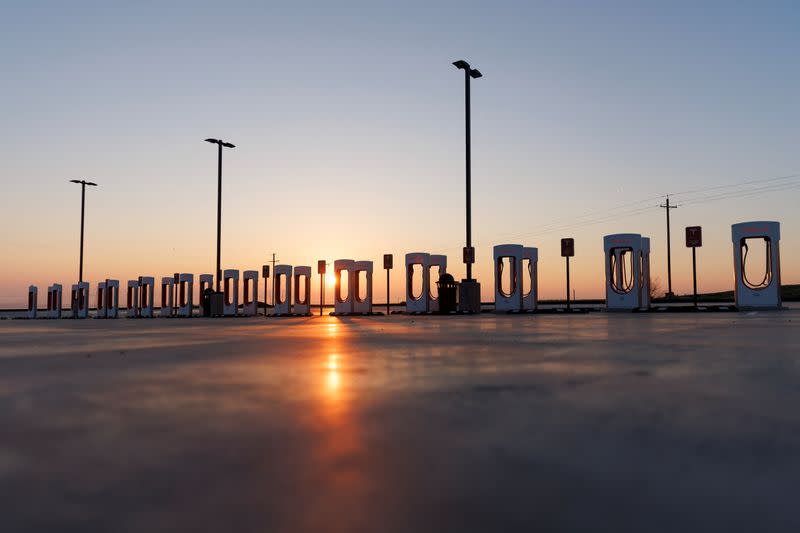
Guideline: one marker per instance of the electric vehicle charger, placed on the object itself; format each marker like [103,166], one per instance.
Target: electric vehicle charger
[282,306]
[185,295]
[250,292]
[508,299]
[625,271]
[132,303]
[230,291]
[302,291]
[33,301]
[763,292]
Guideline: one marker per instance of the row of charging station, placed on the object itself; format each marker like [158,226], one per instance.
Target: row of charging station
[627,268]
[627,281]
[176,297]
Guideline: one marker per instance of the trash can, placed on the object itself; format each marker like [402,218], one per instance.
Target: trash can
[205,302]
[217,299]
[448,289]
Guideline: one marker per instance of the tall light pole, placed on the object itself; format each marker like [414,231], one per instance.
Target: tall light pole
[468,74]
[219,144]
[83,184]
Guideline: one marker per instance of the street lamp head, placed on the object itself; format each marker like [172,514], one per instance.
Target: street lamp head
[215,141]
[92,184]
[461,64]
[475,73]
[227,145]
[75,181]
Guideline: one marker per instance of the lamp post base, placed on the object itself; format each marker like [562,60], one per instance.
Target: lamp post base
[469,296]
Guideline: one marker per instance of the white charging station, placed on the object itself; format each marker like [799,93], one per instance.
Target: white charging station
[250,292]
[111,305]
[644,267]
[185,295]
[507,266]
[418,303]
[101,300]
[343,303]
[54,295]
[623,270]
[759,291]
[363,287]
[167,296]
[79,300]
[33,301]
[283,284]
[230,289]
[132,302]
[147,287]
[436,267]
[302,290]
[529,277]
[205,281]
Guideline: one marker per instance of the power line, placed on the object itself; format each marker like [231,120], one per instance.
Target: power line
[610,214]
[599,216]
[743,193]
[735,185]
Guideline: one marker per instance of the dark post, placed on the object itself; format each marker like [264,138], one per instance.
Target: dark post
[83,205]
[694,274]
[219,215]
[567,282]
[567,251]
[469,167]
[273,278]
[321,264]
[388,262]
[469,299]
[694,240]
[669,252]
[468,73]
[219,144]
[83,184]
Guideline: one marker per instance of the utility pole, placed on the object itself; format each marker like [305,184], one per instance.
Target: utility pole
[669,251]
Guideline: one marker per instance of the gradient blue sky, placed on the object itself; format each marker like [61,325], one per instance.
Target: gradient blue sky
[348,120]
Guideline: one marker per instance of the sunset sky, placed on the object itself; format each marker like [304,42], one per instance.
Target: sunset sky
[348,121]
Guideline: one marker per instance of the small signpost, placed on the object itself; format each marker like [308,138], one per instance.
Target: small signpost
[265,275]
[174,303]
[567,251]
[388,263]
[694,240]
[321,264]
[469,255]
